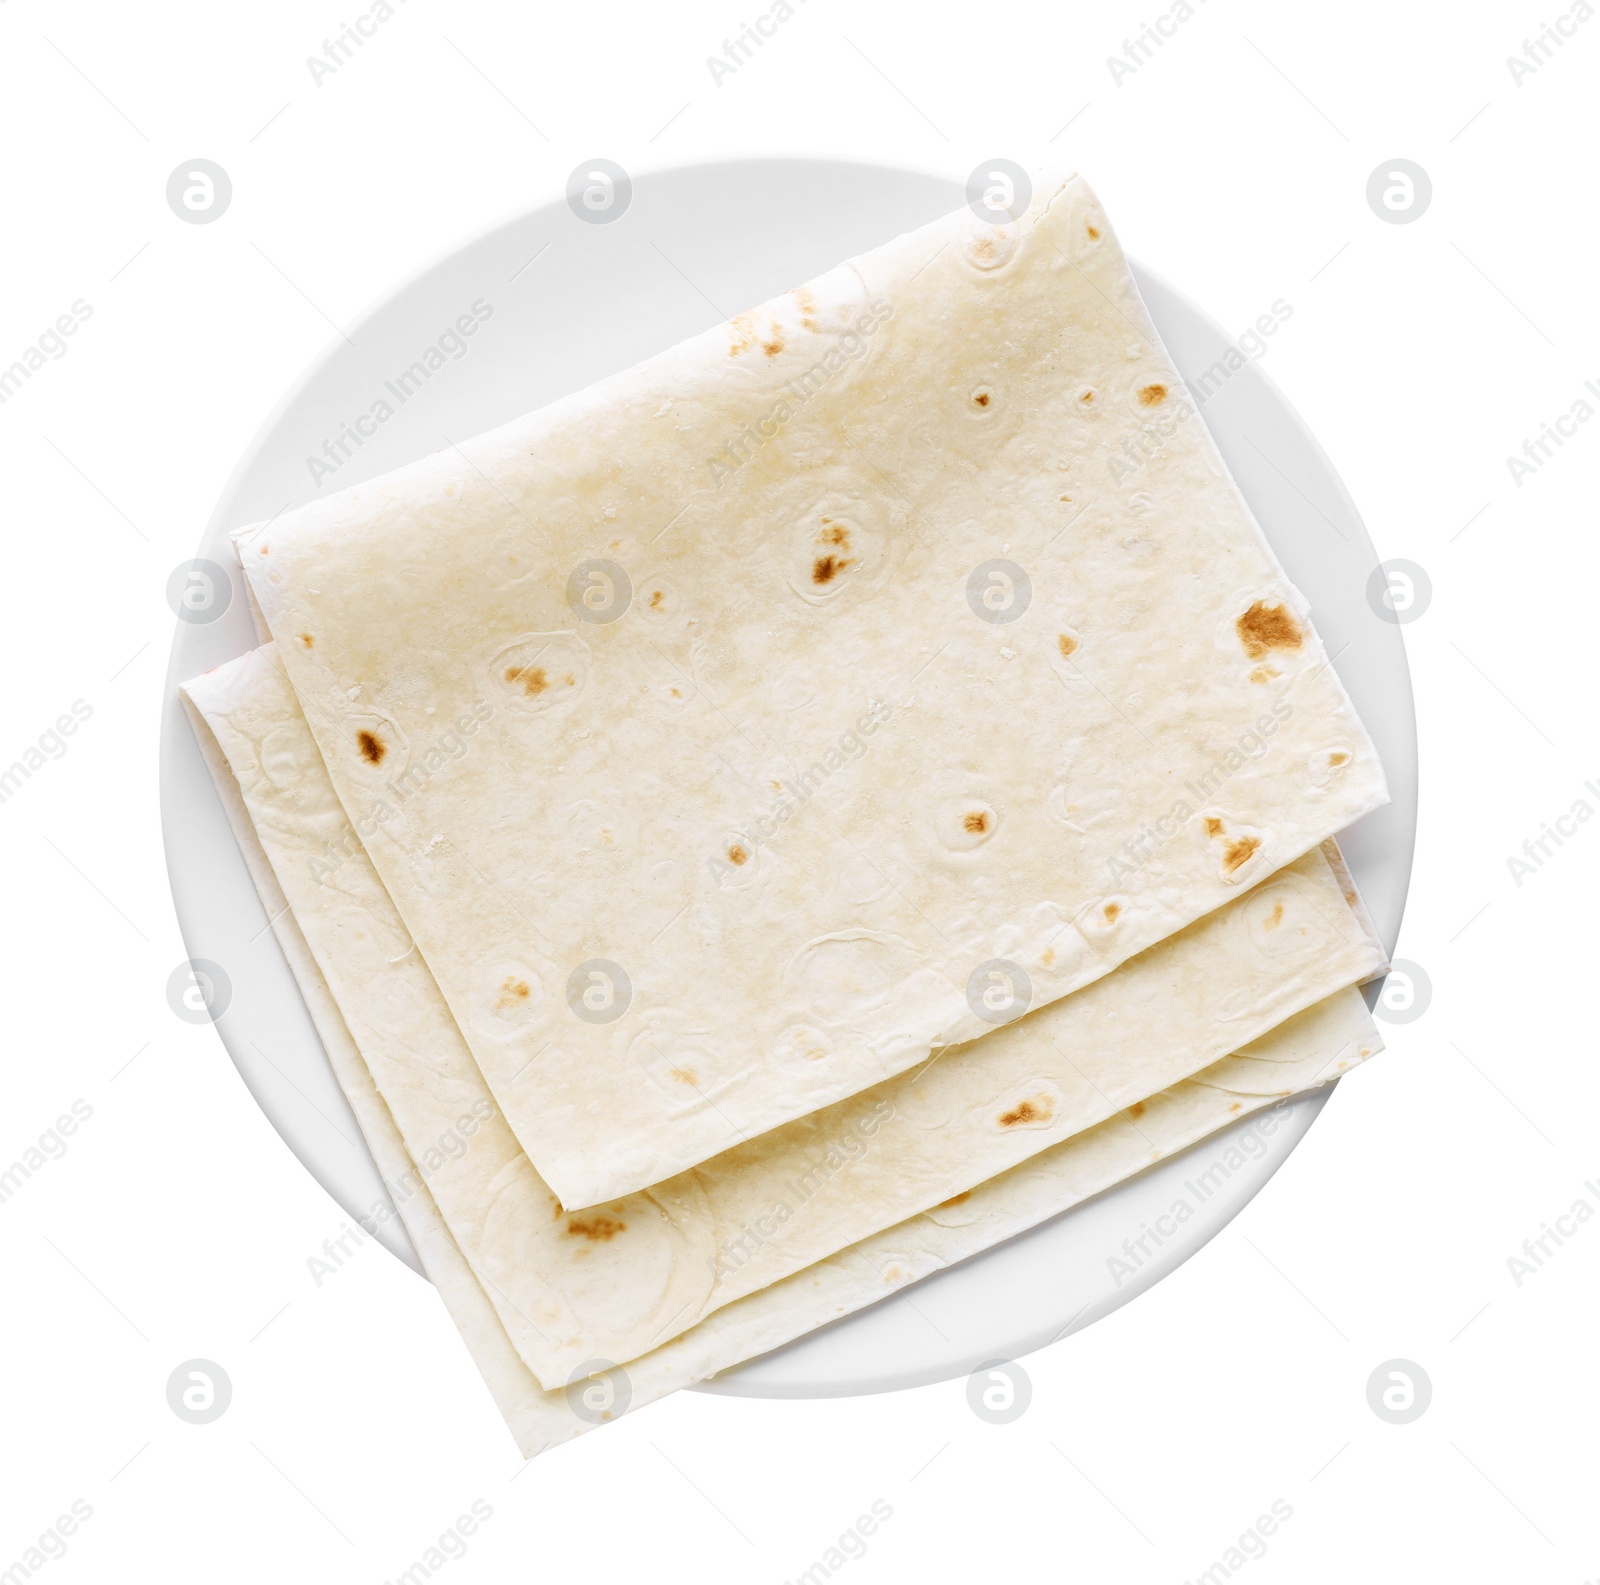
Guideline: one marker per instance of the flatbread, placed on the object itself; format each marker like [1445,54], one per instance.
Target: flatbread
[1306,1052]
[694,702]
[619,1280]
[1301,1054]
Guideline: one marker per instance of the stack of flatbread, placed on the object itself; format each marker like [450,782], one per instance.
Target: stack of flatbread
[799,812]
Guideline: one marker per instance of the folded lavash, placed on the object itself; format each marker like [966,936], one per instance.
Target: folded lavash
[619,1280]
[1311,1049]
[716,729]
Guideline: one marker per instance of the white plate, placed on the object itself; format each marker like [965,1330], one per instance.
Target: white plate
[573,302]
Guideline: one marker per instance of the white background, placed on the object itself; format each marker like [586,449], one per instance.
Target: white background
[177,1224]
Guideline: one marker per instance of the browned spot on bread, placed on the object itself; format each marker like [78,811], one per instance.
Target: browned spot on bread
[307,640]
[513,993]
[741,334]
[597,1228]
[686,1076]
[1152,395]
[834,534]
[982,396]
[1213,826]
[983,247]
[1263,674]
[533,679]
[264,549]
[826,568]
[1111,910]
[737,855]
[677,693]
[655,600]
[1339,757]
[1275,918]
[1236,1105]
[571,681]
[1093,230]
[977,822]
[1268,627]
[1137,1109]
[807,305]
[1239,852]
[955,1199]
[773,345]
[1086,397]
[1048,956]
[373,747]
[1035,1111]
[1065,642]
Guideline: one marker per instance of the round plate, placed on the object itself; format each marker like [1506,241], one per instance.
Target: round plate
[567,304]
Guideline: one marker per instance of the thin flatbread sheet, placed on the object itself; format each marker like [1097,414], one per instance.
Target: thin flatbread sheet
[716,730]
[1314,1048]
[618,1280]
